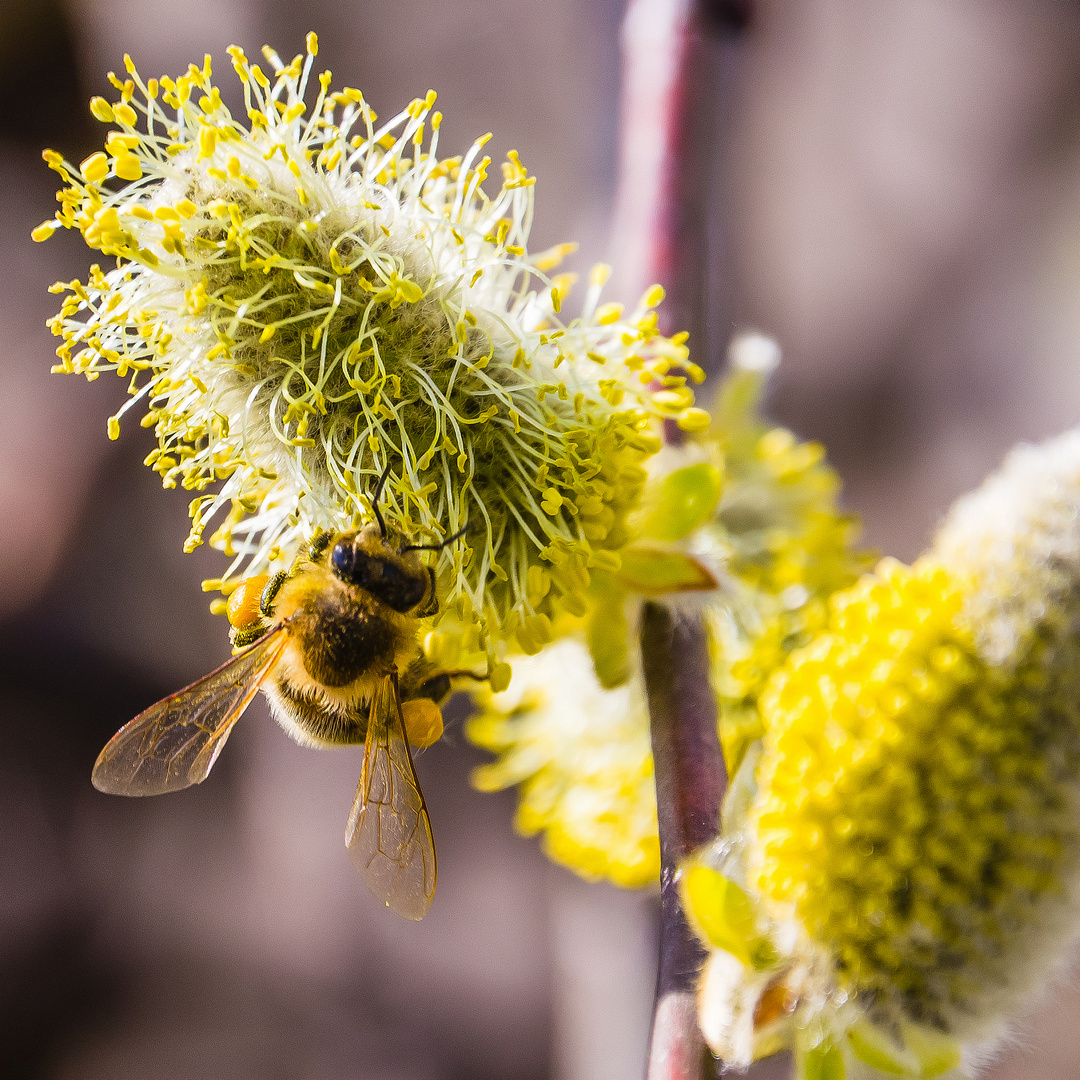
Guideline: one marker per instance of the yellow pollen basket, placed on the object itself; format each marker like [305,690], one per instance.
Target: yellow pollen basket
[243,608]
[423,721]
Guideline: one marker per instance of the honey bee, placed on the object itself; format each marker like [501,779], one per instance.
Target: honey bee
[333,643]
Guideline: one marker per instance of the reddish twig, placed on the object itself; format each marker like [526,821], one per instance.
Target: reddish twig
[678,60]
[656,42]
[690,781]
[669,133]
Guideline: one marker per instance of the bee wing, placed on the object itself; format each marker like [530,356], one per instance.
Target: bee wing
[389,831]
[175,743]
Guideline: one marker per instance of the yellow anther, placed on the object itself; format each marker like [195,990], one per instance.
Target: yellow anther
[117,142]
[499,679]
[128,167]
[653,297]
[561,285]
[207,142]
[101,110]
[552,500]
[514,170]
[548,260]
[95,168]
[606,314]
[694,419]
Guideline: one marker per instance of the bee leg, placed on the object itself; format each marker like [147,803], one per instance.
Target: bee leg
[319,544]
[269,594]
[432,605]
[242,636]
[437,686]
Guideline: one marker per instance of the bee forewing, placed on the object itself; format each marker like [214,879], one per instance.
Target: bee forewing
[175,743]
[389,831]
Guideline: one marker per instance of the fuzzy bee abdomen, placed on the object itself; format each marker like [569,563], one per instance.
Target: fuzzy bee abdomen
[311,722]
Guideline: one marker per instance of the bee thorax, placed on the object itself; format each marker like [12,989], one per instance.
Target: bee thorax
[340,639]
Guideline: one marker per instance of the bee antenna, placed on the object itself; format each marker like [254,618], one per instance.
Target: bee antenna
[375,500]
[435,547]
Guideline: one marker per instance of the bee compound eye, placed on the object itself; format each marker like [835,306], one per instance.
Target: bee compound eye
[383,578]
[355,566]
[343,560]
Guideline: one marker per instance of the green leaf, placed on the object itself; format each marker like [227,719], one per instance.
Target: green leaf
[651,571]
[606,631]
[936,1052]
[874,1048]
[684,500]
[739,730]
[725,915]
[824,1062]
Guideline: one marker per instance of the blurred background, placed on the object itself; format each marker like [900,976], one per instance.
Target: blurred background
[899,192]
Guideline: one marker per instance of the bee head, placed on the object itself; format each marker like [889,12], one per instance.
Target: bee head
[368,561]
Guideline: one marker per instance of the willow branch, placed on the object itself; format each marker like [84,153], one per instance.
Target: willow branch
[680,58]
[670,109]
[690,781]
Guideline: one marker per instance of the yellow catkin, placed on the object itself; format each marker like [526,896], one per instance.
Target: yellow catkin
[915,809]
[789,545]
[581,756]
[460,376]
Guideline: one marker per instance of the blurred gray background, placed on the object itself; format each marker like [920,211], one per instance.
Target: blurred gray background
[900,194]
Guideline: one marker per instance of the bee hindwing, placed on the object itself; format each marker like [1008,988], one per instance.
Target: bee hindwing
[175,743]
[389,831]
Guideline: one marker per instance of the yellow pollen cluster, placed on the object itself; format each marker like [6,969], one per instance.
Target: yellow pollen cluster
[914,813]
